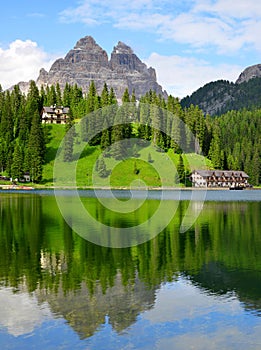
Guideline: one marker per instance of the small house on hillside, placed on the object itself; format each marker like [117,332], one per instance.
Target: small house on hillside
[219,178]
[55,115]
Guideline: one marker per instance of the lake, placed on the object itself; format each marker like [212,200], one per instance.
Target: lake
[168,270]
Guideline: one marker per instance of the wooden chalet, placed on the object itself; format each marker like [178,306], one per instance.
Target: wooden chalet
[55,115]
[220,178]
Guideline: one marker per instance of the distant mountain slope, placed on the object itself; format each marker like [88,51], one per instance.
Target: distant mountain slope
[219,97]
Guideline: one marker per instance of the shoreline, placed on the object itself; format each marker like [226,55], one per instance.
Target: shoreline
[18,188]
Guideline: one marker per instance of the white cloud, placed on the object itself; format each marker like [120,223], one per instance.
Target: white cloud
[185,301]
[83,13]
[225,337]
[181,76]
[20,313]
[202,32]
[220,24]
[96,12]
[21,61]
[227,8]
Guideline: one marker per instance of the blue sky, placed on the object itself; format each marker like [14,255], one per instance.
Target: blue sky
[189,43]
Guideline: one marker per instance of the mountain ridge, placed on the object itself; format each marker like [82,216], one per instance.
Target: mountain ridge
[88,61]
[220,96]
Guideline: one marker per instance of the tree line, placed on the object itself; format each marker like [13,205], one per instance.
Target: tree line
[231,140]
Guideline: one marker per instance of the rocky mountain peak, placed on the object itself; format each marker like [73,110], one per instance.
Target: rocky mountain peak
[249,73]
[86,43]
[86,55]
[123,58]
[87,62]
[122,48]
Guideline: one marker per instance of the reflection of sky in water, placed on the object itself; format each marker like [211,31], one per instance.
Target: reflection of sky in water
[186,318]
[21,313]
[183,317]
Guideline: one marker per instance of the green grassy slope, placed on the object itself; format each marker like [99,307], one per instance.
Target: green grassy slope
[137,172]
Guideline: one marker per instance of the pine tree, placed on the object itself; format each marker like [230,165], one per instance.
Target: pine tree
[156,114]
[7,120]
[67,95]
[43,96]
[181,169]
[33,101]
[125,97]
[58,94]
[33,104]
[17,104]
[51,96]
[215,148]
[92,98]
[105,96]
[69,140]
[35,150]
[112,97]
[118,148]
[175,135]
[256,167]
[17,162]
[105,140]
[2,156]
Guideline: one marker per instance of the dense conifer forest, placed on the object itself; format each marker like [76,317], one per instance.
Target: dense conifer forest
[222,96]
[230,141]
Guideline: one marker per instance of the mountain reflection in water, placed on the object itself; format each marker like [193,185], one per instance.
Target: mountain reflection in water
[89,285]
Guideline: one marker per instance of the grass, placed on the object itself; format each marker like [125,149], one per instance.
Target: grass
[148,167]
[55,134]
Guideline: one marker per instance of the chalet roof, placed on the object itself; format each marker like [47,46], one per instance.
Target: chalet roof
[220,173]
[52,109]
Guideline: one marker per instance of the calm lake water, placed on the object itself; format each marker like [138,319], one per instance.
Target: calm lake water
[199,289]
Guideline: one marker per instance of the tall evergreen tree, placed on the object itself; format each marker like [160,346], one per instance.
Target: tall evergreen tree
[256,167]
[17,162]
[7,120]
[43,96]
[118,134]
[92,98]
[51,96]
[67,95]
[215,148]
[69,140]
[112,97]
[35,150]
[58,95]
[105,96]
[125,97]
[181,169]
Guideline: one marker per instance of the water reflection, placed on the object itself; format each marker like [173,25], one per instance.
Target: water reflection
[176,280]
[21,312]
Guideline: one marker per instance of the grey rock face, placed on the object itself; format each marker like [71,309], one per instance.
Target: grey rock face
[87,61]
[249,73]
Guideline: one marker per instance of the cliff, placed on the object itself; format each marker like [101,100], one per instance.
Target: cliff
[87,61]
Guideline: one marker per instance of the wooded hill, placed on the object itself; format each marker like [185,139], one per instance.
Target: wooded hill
[221,96]
[231,141]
